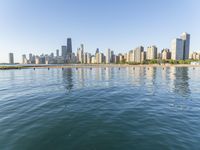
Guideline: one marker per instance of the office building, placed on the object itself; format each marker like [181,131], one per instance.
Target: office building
[137,54]
[108,56]
[64,52]
[11,58]
[143,56]
[24,59]
[57,53]
[88,58]
[186,45]
[165,54]
[177,49]
[69,49]
[151,52]
[93,61]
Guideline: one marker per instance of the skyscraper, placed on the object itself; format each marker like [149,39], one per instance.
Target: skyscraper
[24,59]
[165,54]
[64,52]
[97,50]
[151,52]
[69,45]
[57,53]
[138,54]
[181,47]
[108,53]
[186,45]
[177,49]
[69,49]
[11,58]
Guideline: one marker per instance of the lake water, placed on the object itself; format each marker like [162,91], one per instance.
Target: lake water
[100,109]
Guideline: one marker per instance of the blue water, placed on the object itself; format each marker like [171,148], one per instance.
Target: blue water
[100,109]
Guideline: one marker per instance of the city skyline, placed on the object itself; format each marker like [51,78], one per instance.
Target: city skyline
[37,26]
[180,51]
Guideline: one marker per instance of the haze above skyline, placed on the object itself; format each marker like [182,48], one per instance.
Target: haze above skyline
[41,26]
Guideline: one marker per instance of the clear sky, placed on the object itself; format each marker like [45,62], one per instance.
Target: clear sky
[42,26]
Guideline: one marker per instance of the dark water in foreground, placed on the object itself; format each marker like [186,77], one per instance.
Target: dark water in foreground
[100,109]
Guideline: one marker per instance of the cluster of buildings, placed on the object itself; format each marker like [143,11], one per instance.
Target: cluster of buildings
[180,50]
[195,56]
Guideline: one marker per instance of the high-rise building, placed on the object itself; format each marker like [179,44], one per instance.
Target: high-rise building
[57,53]
[52,55]
[11,58]
[30,57]
[101,58]
[93,61]
[181,47]
[37,60]
[143,56]
[112,56]
[108,56]
[82,53]
[137,54]
[24,59]
[177,49]
[195,56]
[186,45]
[165,54]
[64,52]
[97,50]
[121,58]
[88,58]
[127,57]
[97,55]
[69,45]
[85,58]
[151,52]
[131,56]
[69,49]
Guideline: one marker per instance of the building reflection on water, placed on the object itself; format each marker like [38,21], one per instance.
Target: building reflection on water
[151,78]
[68,79]
[180,80]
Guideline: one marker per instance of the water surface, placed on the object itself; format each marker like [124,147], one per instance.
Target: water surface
[100,109]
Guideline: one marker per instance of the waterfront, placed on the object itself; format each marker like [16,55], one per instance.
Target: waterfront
[100,108]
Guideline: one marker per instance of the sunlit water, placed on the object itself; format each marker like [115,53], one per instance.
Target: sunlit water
[100,109]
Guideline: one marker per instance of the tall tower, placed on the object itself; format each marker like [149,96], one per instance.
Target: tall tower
[64,52]
[57,52]
[11,58]
[186,45]
[82,54]
[108,53]
[138,54]
[177,49]
[69,47]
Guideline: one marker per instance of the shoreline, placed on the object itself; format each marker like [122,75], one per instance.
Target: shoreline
[92,66]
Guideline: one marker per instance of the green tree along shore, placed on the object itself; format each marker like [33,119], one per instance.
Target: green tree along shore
[146,62]
[11,67]
[155,61]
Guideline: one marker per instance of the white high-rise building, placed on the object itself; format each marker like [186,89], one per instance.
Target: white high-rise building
[138,54]
[11,58]
[177,49]
[85,58]
[24,59]
[93,59]
[108,56]
[151,52]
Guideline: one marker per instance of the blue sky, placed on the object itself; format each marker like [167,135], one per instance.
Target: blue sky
[42,26]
